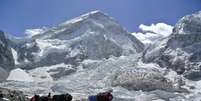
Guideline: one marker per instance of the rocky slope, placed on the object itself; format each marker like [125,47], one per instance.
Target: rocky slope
[144,78]
[6,57]
[3,74]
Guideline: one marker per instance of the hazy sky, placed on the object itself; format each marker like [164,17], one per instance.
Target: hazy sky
[18,15]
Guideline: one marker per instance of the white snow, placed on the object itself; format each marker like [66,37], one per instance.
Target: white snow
[26,60]
[5,99]
[88,61]
[49,45]
[33,32]
[2,43]
[14,56]
[42,74]
[80,18]
[19,75]
[74,52]
[98,24]
[29,45]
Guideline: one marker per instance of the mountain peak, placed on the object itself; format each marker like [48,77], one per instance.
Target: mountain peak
[95,12]
[93,35]
[91,15]
[189,24]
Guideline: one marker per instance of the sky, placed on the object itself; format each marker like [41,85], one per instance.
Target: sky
[18,15]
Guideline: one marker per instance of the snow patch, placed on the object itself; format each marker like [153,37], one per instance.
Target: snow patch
[49,45]
[74,52]
[43,74]
[15,56]
[81,18]
[19,75]
[33,32]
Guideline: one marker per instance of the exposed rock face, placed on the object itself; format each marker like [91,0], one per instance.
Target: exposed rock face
[3,74]
[181,51]
[91,36]
[6,57]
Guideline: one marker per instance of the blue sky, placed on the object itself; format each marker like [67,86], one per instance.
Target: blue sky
[18,15]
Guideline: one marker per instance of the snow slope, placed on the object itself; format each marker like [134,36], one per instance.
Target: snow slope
[19,75]
[94,36]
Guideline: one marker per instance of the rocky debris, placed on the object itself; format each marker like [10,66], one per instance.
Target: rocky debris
[9,95]
[146,79]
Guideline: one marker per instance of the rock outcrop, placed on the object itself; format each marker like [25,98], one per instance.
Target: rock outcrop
[6,57]
[142,78]
[9,95]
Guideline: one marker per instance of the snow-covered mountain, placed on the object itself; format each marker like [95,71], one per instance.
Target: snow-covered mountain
[182,50]
[93,53]
[94,35]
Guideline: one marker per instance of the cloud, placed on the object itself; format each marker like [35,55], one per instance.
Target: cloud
[153,33]
[159,28]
